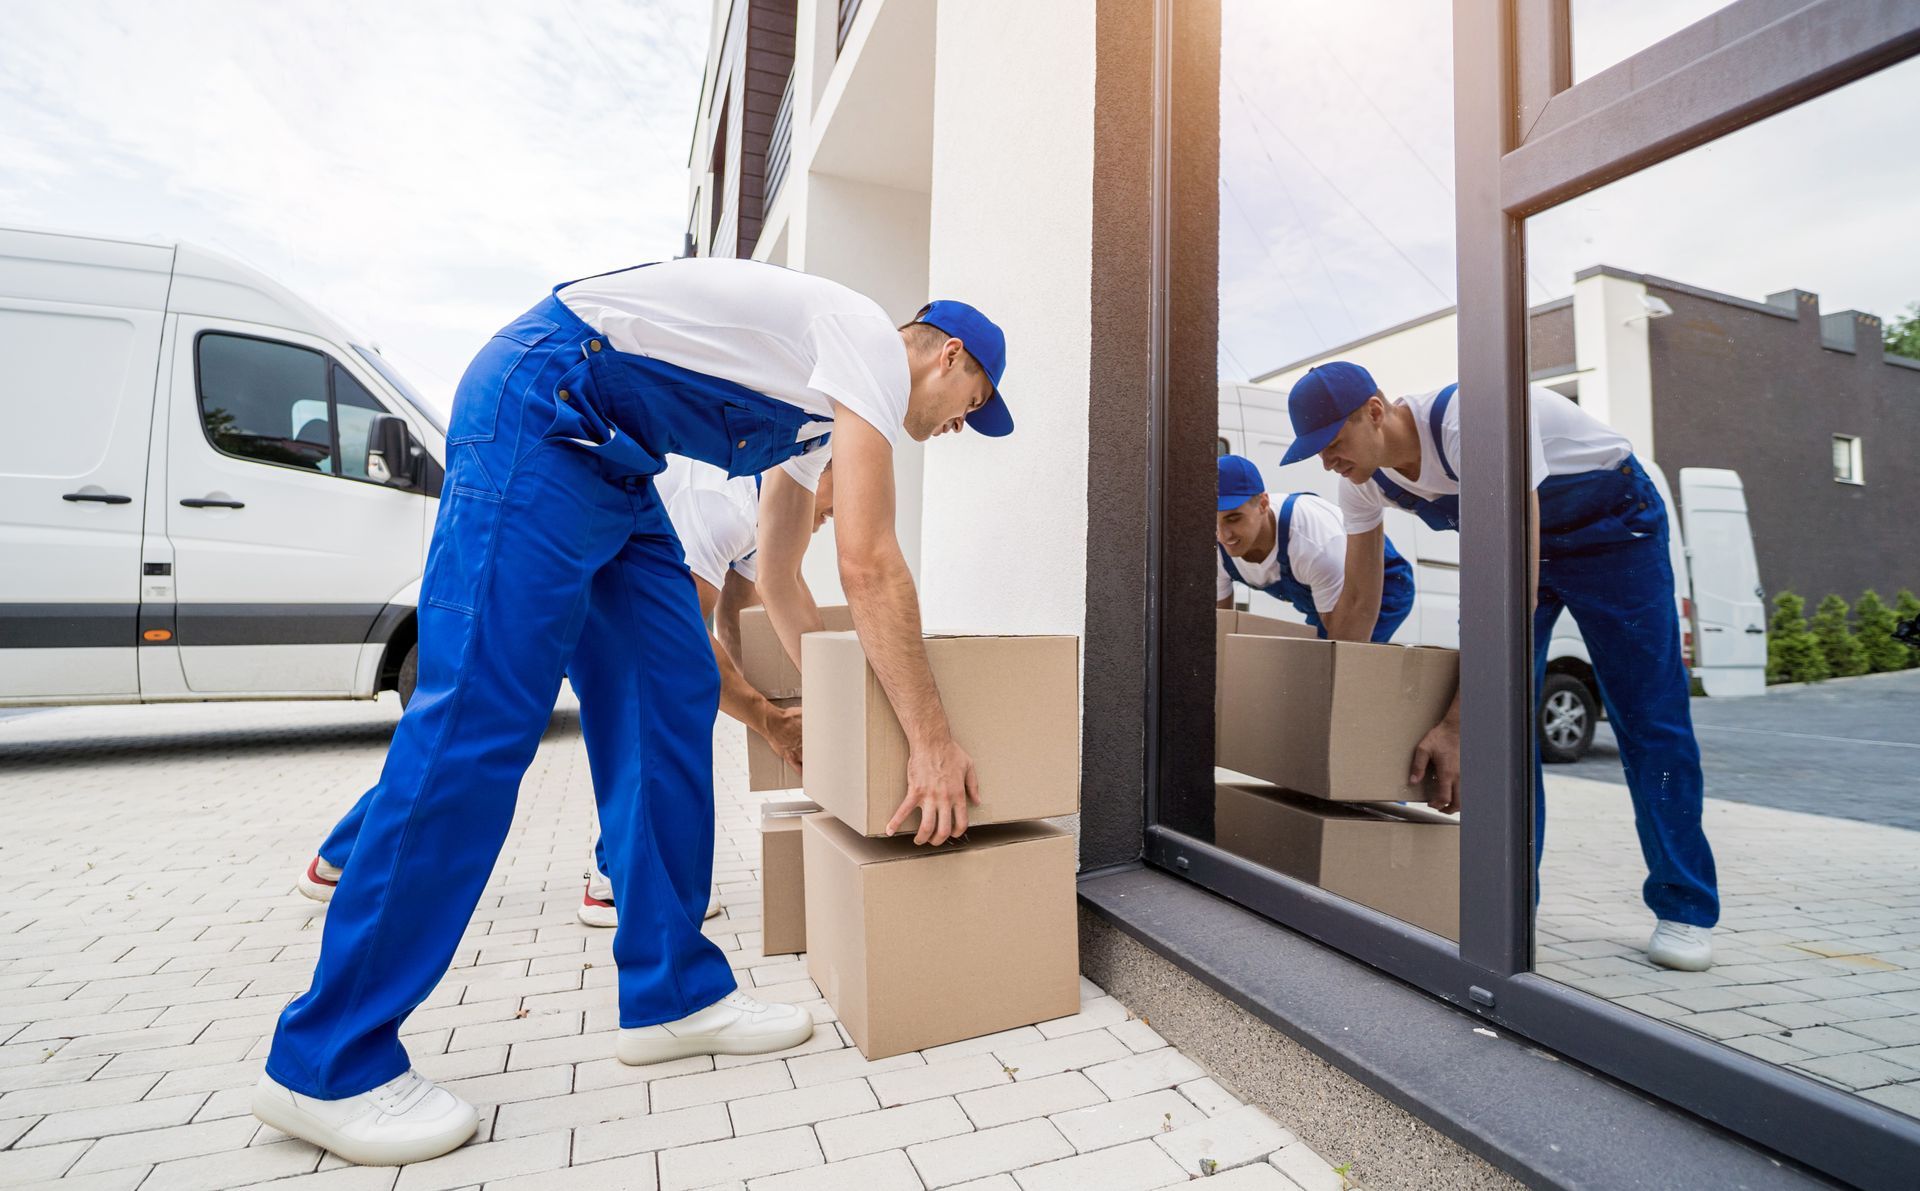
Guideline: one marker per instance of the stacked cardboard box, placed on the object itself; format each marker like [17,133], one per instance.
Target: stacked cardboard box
[767,668]
[916,946]
[1322,724]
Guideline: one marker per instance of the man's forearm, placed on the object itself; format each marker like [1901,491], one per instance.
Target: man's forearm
[738,699]
[1364,576]
[791,609]
[1348,620]
[886,613]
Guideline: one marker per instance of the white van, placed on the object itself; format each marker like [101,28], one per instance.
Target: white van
[208,488]
[1717,580]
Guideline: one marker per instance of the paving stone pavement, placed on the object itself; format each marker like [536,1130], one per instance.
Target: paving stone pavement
[149,935]
[1817,955]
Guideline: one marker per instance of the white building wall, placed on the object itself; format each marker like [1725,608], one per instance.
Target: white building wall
[1003,539]
[1610,350]
[1417,360]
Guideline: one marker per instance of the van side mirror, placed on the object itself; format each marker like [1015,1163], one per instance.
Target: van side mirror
[393,458]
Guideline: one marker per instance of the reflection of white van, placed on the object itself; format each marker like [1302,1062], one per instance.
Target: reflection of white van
[1717,580]
[208,489]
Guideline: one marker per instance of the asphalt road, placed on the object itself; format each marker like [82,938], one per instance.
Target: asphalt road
[1849,748]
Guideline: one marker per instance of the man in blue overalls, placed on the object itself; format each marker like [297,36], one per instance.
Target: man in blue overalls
[1298,553]
[1600,551]
[550,529]
[716,518]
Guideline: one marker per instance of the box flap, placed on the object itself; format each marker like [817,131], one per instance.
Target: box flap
[866,849]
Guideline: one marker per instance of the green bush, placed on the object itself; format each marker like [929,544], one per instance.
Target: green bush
[1906,606]
[1875,623]
[1845,657]
[1793,655]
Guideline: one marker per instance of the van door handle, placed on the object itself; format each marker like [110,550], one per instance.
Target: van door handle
[105,498]
[194,503]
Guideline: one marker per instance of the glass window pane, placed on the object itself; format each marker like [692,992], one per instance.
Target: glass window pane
[266,401]
[1607,32]
[1730,830]
[1336,227]
[355,409]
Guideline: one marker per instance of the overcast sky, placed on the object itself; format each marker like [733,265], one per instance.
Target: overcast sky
[1337,179]
[424,170]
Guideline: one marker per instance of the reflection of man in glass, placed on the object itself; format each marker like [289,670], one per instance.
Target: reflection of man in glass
[1600,551]
[1298,553]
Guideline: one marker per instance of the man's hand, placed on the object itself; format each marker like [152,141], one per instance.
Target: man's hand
[782,732]
[1440,750]
[940,785]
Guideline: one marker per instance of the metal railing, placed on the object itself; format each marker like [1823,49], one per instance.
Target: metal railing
[848,10]
[779,147]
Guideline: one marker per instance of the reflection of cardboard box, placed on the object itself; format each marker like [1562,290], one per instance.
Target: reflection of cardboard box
[1227,622]
[765,769]
[1013,702]
[1336,720]
[916,947]
[783,892]
[764,662]
[1399,860]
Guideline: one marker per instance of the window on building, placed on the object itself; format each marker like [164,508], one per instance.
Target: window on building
[1846,459]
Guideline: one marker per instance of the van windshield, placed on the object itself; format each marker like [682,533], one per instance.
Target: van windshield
[393,377]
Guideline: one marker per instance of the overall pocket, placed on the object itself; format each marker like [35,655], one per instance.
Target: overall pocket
[462,550]
[476,403]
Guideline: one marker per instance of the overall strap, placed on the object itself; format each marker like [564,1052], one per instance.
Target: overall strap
[1283,534]
[1395,493]
[1226,560]
[1435,418]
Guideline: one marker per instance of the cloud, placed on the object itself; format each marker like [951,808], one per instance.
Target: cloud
[422,170]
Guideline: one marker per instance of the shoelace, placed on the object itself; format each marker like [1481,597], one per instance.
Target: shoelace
[743,1002]
[401,1093]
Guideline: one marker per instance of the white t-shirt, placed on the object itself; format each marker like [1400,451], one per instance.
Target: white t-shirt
[1316,553]
[1562,440]
[716,516]
[800,339]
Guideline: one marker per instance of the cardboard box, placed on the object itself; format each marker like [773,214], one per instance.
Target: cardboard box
[1014,703]
[1336,720]
[1399,860]
[763,661]
[765,769]
[917,947]
[1226,623]
[783,892]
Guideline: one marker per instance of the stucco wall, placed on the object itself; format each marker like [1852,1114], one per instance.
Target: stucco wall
[1003,532]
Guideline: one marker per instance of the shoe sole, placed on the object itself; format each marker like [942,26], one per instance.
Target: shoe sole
[1680,965]
[277,1112]
[314,889]
[645,1052]
[586,920]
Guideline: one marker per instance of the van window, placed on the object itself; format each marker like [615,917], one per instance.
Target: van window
[265,401]
[354,410]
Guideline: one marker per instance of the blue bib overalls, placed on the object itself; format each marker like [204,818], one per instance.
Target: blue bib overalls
[1604,557]
[1396,587]
[550,534]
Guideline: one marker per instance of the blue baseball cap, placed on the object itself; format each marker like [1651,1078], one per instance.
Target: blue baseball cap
[1240,482]
[987,344]
[1321,402]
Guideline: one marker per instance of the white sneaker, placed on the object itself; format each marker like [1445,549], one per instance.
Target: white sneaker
[736,1024]
[1682,947]
[408,1119]
[596,905]
[318,881]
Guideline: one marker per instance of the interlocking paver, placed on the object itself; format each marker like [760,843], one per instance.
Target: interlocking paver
[1137,1166]
[1021,1101]
[1147,1072]
[149,997]
[711,1162]
[1233,1138]
[990,1151]
[889,1170]
[1307,1169]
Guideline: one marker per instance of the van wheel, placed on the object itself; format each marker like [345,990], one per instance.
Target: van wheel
[1568,714]
[410,675]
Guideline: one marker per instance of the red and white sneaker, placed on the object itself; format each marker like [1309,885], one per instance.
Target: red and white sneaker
[318,881]
[597,909]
